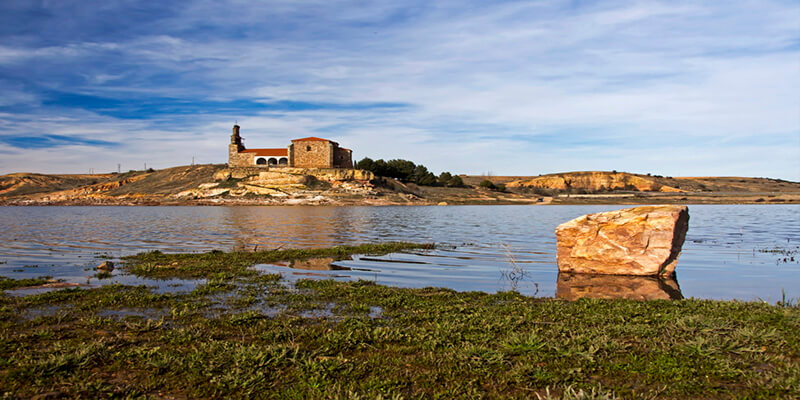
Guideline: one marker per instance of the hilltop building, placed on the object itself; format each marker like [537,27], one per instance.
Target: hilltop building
[310,152]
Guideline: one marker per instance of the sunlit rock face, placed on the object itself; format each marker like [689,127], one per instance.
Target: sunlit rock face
[595,181]
[577,286]
[634,241]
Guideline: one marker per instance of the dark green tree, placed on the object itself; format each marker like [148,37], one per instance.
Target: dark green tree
[401,169]
[365,163]
[455,181]
[444,178]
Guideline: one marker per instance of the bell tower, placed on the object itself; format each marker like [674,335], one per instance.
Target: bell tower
[235,157]
[236,139]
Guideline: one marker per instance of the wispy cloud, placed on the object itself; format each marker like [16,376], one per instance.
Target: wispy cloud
[35,141]
[513,87]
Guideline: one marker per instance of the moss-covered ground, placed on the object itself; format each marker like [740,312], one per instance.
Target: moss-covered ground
[248,335]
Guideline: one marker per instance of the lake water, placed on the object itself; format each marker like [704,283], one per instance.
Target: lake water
[745,252]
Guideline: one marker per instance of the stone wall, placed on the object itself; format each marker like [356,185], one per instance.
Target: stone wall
[312,154]
[342,158]
[237,159]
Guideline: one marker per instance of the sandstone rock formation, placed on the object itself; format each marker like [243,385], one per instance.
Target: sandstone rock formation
[281,176]
[577,286]
[284,182]
[634,241]
[595,181]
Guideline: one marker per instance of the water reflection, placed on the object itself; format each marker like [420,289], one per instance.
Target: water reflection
[576,286]
[315,264]
[312,226]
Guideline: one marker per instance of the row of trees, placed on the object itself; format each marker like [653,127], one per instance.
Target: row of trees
[407,171]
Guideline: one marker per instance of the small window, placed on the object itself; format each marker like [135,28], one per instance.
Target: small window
[308,148]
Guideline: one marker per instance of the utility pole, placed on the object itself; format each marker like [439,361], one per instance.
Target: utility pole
[119,168]
[145,166]
[192,160]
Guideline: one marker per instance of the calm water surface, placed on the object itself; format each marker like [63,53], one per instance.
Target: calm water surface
[731,252]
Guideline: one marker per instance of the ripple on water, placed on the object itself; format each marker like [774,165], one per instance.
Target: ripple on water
[721,257]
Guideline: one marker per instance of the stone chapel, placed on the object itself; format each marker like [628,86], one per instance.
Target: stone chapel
[310,152]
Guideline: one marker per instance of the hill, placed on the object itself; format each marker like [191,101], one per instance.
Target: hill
[604,181]
[203,184]
[217,184]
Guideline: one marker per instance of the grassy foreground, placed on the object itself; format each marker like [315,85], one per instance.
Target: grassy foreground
[244,335]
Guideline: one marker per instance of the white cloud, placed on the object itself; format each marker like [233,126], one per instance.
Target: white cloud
[484,85]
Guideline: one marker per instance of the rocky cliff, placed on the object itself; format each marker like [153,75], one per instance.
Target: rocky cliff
[595,181]
[284,182]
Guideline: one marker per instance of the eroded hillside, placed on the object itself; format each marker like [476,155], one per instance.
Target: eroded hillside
[217,184]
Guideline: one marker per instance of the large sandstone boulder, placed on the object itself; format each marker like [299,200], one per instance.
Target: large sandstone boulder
[634,241]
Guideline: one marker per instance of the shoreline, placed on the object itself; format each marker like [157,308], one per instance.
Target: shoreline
[699,199]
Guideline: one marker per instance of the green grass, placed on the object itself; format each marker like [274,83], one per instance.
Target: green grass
[10,283]
[156,264]
[244,335]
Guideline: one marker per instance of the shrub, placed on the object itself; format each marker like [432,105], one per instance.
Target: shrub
[455,181]
[487,184]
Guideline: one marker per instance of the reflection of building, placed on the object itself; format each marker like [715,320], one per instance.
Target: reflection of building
[576,286]
[310,152]
[287,227]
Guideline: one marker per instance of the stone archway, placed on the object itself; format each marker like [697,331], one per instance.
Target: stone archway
[261,161]
[272,161]
[283,161]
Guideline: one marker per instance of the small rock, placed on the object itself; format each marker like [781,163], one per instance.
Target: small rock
[105,266]
[634,241]
[442,203]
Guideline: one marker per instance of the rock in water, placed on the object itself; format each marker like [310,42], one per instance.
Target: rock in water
[105,266]
[634,241]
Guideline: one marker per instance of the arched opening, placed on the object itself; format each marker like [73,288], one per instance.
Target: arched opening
[261,161]
[283,161]
[273,161]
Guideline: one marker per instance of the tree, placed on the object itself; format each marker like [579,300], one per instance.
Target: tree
[455,181]
[366,163]
[444,178]
[400,169]
[406,171]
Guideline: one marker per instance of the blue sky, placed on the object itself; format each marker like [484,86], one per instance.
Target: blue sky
[503,87]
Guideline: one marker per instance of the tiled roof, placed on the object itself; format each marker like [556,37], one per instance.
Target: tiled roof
[269,152]
[311,139]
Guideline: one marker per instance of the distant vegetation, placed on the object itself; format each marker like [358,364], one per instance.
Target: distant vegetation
[487,184]
[407,171]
